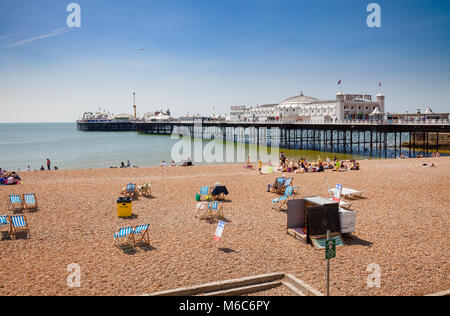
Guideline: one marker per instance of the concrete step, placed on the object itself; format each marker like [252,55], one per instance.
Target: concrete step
[246,289]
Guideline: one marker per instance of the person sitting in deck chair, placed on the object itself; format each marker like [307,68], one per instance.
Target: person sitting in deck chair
[277,185]
[218,192]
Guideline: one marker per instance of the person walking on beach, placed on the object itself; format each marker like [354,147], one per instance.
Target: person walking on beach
[128,164]
[49,164]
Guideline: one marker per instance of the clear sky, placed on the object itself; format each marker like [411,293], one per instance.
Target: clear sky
[200,54]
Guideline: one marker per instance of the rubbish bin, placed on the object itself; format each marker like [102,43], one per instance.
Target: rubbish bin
[124,207]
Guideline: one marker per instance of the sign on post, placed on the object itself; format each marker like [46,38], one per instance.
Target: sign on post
[219,231]
[330,249]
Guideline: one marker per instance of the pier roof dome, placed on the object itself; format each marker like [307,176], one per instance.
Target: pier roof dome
[299,99]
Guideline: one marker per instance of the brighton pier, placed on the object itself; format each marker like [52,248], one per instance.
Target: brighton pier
[381,139]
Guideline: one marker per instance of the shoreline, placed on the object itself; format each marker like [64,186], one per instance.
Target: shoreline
[207,164]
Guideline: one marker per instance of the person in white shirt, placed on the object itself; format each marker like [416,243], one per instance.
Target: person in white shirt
[163,164]
[11,180]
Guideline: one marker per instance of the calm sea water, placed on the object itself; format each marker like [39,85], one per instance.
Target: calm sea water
[32,143]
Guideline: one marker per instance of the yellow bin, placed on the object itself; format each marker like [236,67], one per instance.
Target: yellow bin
[124,207]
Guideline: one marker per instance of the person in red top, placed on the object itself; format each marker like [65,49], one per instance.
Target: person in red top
[48,164]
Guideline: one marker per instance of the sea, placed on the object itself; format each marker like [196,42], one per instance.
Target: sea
[30,144]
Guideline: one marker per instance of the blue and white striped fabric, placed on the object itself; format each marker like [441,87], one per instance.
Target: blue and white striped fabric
[3,220]
[204,190]
[288,192]
[29,199]
[131,188]
[279,199]
[213,205]
[141,228]
[286,195]
[123,232]
[288,182]
[15,199]
[18,221]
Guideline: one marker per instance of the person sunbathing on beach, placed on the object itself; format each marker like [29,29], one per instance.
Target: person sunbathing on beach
[290,167]
[343,167]
[337,166]
[278,183]
[247,164]
[354,165]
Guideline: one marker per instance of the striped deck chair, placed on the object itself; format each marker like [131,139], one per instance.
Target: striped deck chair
[30,202]
[18,225]
[16,203]
[204,191]
[146,189]
[277,184]
[3,221]
[125,238]
[278,203]
[215,206]
[130,190]
[287,183]
[142,232]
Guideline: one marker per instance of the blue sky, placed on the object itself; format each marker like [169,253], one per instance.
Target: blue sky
[201,54]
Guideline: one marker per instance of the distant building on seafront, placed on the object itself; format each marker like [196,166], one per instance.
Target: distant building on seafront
[301,107]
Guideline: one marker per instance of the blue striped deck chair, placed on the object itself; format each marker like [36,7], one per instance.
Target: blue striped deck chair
[30,202]
[130,190]
[278,183]
[278,203]
[204,191]
[215,206]
[284,185]
[142,232]
[18,225]
[16,203]
[3,221]
[125,237]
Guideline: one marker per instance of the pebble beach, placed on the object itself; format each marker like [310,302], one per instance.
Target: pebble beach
[402,225]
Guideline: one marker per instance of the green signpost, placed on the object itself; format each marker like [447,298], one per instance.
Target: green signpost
[330,249]
[330,252]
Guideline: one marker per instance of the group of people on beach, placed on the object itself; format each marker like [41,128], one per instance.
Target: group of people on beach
[42,168]
[123,165]
[186,163]
[9,178]
[304,166]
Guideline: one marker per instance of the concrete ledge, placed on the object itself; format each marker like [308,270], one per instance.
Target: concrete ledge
[305,288]
[244,286]
[443,293]
[293,289]
[246,289]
